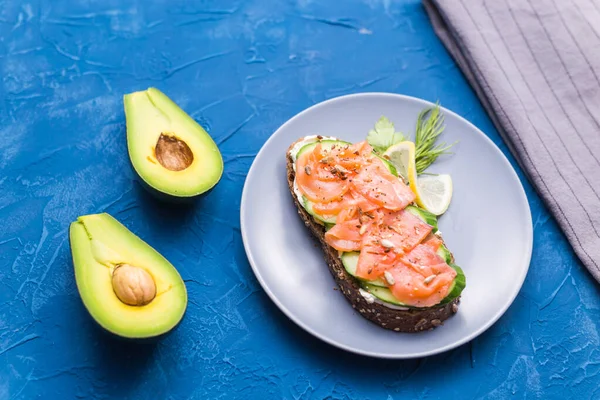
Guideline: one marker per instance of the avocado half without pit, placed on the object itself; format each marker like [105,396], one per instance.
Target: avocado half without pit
[171,153]
[128,287]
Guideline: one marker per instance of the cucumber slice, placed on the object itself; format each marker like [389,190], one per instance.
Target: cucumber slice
[424,216]
[388,165]
[445,254]
[384,294]
[460,282]
[350,261]
[325,144]
[308,206]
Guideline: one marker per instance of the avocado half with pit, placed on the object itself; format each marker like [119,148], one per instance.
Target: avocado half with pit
[170,152]
[127,286]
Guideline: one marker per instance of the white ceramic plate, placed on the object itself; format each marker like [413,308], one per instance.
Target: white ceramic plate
[487,227]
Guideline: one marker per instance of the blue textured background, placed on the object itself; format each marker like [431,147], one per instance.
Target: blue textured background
[241,69]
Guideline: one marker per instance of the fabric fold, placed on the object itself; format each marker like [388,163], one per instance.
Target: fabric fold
[535,66]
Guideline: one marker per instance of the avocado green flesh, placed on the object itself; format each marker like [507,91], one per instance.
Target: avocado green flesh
[151,113]
[378,287]
[99,243]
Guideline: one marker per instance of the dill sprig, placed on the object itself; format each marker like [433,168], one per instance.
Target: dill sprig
[430,125]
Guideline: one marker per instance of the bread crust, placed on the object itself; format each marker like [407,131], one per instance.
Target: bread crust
[411,320]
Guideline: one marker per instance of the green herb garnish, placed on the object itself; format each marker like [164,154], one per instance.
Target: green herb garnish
[430,125]
[384,135]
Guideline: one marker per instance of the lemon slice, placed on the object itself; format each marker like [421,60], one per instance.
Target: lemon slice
[434,193]
[402,156]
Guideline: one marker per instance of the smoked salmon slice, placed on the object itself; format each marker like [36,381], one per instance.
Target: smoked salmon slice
[315,182]
[345,236]
[396,233]
[377,184]
[422,278]
[415,289]
[433,241]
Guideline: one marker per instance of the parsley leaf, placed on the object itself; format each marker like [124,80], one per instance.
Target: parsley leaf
[383,135]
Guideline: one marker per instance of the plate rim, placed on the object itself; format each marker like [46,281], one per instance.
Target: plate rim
[467,338]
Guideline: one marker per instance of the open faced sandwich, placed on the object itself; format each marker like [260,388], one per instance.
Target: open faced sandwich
[384,251]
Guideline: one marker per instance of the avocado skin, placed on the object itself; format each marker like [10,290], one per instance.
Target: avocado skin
[114,340]
[165,197]
[124,339]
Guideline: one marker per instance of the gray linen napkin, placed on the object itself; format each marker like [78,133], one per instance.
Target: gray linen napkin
[535,65]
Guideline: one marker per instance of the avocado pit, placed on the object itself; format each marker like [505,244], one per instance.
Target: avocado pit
[172,153]
[133,285]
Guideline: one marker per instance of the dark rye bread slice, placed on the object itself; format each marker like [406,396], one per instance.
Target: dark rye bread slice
[411,320]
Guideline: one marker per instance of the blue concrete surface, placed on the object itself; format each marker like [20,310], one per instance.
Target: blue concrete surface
[241,68]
